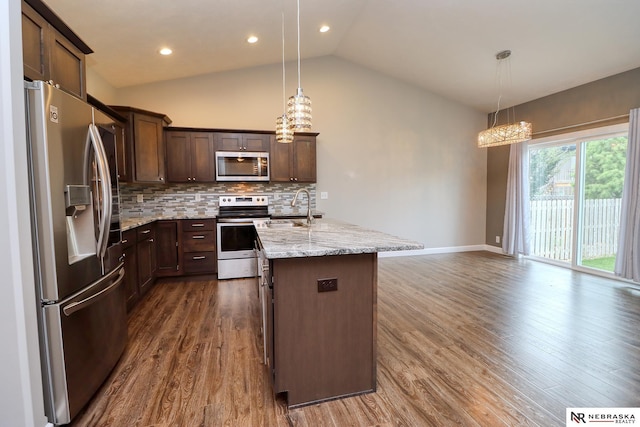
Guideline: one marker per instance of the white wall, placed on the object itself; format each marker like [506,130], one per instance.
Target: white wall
[390,155]
[99,88]
[21,402]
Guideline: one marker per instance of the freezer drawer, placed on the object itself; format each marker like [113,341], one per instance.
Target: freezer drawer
[87,334]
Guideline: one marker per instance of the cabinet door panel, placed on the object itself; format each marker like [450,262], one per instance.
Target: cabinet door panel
[228,141]
[280,161]
[167,250]
[149,149]
[146,264]
[257,142]
[304,159]
[131,275]
[67,66]
[33,43]
[202,157]
[178,157]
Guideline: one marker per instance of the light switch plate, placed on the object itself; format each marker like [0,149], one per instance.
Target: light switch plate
[140,198]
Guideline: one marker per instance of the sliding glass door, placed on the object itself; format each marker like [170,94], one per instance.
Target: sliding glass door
[575,186]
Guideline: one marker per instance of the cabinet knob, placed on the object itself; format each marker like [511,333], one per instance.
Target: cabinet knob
[161,178]
[151,240]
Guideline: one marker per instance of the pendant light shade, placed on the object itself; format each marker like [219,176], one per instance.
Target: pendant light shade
[299,105]
[284,133]
[510,133]
[299,112]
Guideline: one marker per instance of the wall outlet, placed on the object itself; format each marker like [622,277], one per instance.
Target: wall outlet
[140,198]
[326,285]
[497,239]
[324,195]
[198,197]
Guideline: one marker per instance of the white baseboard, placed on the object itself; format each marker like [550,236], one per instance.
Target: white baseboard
[446,250]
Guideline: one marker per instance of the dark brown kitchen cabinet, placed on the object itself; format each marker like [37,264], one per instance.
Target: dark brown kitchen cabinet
[199,246]
[190,156]
[228,141]
[145,144]
[294,162]
[129,249]
[168,248]
[146,252]
[51,50]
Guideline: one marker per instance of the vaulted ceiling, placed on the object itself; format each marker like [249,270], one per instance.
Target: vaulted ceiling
[445,46]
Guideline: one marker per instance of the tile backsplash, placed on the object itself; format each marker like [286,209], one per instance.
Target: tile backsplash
[202,199]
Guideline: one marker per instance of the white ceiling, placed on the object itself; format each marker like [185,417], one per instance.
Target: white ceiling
[445,46]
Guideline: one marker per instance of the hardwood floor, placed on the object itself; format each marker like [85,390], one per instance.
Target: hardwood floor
[468,339]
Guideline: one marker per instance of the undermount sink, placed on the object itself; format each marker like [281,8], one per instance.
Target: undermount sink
[285,223]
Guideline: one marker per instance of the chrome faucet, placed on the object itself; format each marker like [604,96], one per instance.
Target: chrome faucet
[293,203]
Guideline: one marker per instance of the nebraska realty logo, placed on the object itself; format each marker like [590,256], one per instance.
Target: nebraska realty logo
[581,416]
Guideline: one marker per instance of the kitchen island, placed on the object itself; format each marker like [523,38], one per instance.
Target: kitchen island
[319,306]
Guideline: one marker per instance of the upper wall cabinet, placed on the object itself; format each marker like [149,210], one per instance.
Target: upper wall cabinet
[51,50]
[145,144]
[190,156]
[294,162]
[229,141]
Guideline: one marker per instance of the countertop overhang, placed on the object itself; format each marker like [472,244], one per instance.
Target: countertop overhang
[328,237]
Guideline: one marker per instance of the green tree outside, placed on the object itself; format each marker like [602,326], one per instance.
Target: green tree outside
[604,170]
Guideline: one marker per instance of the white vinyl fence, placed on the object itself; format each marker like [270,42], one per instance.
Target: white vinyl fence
[551,228]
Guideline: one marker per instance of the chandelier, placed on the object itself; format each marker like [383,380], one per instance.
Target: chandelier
[510,133]
[299,105]
[284,133]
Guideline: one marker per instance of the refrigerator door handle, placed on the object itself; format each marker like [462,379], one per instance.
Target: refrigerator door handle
[104,178]
[79,305]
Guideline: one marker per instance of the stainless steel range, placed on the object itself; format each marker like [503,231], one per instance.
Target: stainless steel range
[236,234]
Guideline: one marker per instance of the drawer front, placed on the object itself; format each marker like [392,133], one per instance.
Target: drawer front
[199,241]
[144,232]
[128,238]
[200,262]
[198,224]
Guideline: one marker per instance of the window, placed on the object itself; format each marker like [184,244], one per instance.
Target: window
[575,190]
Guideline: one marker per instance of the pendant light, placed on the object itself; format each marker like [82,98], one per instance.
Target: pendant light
[284,133]
[299,105]
[509,133]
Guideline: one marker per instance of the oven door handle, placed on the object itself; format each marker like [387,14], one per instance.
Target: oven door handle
[239,220]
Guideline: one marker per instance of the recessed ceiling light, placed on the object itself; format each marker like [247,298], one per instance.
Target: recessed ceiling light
[165,51]
[252,39]
[324,28]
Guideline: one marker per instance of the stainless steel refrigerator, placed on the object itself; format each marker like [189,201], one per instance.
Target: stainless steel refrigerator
[77,253]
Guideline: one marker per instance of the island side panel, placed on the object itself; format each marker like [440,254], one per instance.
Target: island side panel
[324,341]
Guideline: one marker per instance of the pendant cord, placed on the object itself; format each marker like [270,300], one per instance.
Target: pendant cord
[284,97]
[299,44]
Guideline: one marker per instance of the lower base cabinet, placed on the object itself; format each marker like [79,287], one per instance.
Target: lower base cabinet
[167,248]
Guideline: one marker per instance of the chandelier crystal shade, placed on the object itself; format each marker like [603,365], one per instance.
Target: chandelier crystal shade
[299,105]
[510,133]
[505,134]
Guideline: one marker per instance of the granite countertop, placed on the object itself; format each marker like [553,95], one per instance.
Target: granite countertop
[129,222]
[328,237]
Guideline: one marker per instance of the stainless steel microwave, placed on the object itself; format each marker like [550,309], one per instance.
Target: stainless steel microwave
[242,166]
